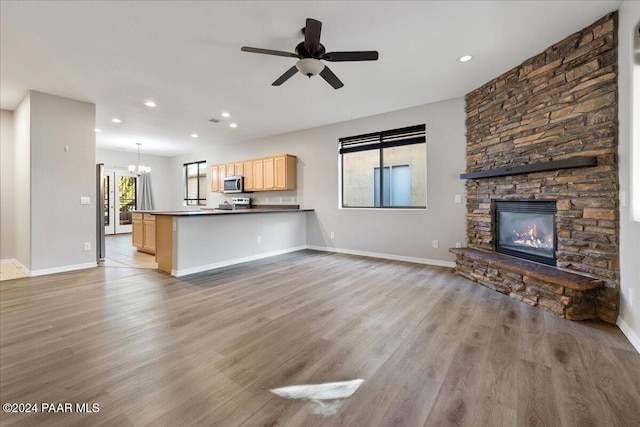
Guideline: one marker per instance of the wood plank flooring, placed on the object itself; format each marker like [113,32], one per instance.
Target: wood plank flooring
[433,348]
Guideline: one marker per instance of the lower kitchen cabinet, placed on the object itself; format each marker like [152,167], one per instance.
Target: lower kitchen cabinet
[144,232]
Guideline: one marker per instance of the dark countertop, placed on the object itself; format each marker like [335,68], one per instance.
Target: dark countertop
[208,212]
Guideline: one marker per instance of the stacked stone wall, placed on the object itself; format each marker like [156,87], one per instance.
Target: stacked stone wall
[562,103]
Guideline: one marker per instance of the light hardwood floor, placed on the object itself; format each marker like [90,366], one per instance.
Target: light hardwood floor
[433,349]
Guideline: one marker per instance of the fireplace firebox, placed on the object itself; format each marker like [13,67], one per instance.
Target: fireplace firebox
[526,229]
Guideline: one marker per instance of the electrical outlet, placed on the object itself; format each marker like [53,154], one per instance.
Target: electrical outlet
[259,239]
[85,200]
[435,244]
[458,245]
[458,198]
[333,234]
[630,297]
[87,246]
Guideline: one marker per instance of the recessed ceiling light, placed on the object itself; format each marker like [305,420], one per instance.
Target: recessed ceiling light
[194,135]
[465,58]
[225,114]
[233,125]
[98,130]
[116,120]
[150,104]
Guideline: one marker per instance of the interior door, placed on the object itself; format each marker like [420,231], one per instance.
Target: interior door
[120,190]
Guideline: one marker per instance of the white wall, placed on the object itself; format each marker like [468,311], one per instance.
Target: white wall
[62,171]
[403,234]
[22,181]
[7,201]
[629,319]
[160,167]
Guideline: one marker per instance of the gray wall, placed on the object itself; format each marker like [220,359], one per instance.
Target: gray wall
[403,234]
[160,167]
[629,319]
[7,201]
[22,181]
[59,178]
[54,168]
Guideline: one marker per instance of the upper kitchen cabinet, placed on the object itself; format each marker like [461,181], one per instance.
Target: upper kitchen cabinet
[269,173]
[258,174]
[285,172]
[265,174]
[247,167]
[215,179]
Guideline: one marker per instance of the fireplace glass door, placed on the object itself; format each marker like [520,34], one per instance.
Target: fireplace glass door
[526,229]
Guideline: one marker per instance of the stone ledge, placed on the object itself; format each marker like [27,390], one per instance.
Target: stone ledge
[541,272]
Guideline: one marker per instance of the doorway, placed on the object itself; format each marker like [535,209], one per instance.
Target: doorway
[120,189]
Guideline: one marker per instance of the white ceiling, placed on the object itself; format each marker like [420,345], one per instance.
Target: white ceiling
[186,57]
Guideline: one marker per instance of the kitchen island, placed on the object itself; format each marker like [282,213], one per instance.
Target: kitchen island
[189,242]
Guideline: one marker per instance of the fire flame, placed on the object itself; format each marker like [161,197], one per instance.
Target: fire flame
[529,237]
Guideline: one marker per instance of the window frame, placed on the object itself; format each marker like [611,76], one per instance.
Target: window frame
[187,199]
[411,135]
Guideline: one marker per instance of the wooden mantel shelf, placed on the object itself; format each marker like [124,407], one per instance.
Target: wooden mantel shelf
[573,162]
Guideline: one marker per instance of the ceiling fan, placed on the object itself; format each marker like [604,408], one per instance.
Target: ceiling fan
[310,52]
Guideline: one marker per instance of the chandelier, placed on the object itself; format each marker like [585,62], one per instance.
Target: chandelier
[139,169]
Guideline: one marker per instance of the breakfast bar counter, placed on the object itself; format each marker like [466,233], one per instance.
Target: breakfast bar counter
[189,242]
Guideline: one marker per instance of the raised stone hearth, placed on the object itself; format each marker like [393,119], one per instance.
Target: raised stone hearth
[564,294]
[559,105]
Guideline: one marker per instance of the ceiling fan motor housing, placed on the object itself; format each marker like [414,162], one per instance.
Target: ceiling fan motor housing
[303,52]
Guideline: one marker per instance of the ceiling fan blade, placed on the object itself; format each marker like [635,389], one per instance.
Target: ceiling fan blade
[312,35]
[269,52]
[364,55]
[331,78]
[286,76]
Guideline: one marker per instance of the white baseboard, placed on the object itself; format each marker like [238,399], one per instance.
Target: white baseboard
[201,268]
[426,261]
[631,335]
[62,269]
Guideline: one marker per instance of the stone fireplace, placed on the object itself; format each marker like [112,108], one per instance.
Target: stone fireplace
[546,132]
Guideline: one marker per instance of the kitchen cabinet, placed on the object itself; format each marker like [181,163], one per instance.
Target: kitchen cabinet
[222,174]
[143,235]
[149,234]
[137,230]
[258,175]
[284,173]
[248,175]
[265,174]
[215,179]
[269,173]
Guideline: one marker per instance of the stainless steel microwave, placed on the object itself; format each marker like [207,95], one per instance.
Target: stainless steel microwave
[234,184]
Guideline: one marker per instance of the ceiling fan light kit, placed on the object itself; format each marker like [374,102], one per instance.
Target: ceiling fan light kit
[309,66]
[310,53]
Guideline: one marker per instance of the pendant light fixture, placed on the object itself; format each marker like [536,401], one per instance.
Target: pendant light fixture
[139,169]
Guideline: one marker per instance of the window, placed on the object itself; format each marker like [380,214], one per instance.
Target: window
[401,182]
[195,183]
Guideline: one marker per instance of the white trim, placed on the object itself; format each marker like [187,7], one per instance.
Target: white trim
[62,269]
[427,261]
[633,338]
[200,268]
